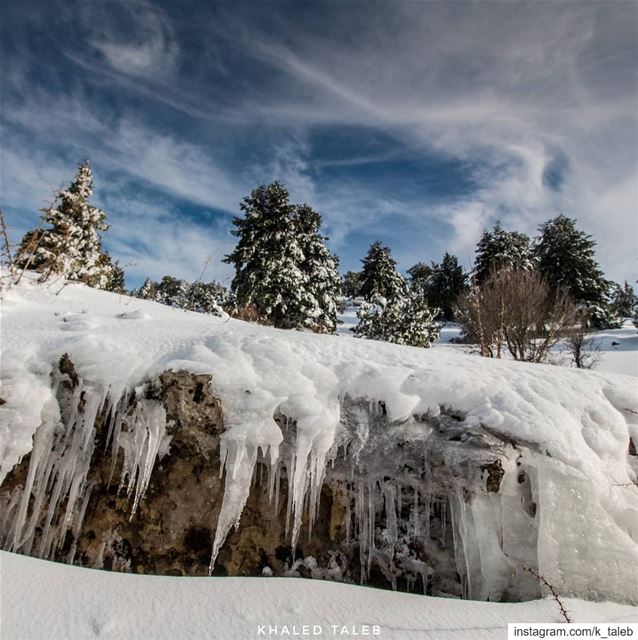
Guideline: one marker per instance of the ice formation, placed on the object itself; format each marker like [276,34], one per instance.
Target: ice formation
[566,501]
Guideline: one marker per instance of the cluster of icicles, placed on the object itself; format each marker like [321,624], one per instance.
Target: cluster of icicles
[54,499]
[56,491]
[58,474]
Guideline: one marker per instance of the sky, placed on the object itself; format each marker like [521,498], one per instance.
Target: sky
[415,123]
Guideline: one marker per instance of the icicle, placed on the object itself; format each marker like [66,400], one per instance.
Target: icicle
[362,526]
[58,468]
[143,443]
[277,488]
[443,521]
[240,465]
[371,524]
[389,494]
[427,502]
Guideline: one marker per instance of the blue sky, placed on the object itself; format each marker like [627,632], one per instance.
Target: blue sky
[417,123]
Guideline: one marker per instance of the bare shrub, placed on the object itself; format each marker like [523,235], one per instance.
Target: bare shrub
[584,350]
[555,596]
[515,309]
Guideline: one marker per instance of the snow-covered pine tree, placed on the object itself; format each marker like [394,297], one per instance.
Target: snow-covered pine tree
[351,284]
[447,281]
[379,276]
[393,313]
[116,282]
[207,297]
[204,297]
[419,275]
[623,300]
[173,292]
[401,320]
[148,290]
[72,247]
[499,248]
[320,267]
[566,261]
[267,260]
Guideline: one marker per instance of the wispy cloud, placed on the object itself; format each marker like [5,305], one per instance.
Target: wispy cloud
[153,51]
[536,101]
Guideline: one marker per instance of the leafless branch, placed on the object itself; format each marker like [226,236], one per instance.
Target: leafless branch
[550,588]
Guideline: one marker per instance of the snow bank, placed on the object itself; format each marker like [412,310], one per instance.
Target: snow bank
[46,600]
[571,428]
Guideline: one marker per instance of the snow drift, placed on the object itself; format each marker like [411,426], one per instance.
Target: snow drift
[567,500]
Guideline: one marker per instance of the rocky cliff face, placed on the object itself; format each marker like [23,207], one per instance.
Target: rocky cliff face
[391,512]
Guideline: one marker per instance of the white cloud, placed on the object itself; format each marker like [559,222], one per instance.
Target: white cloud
[500,86]
[504,88]
[151,51]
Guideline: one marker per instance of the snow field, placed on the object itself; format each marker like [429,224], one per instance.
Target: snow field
[574,426]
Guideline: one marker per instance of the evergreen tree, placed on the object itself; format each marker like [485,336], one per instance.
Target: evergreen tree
[320,268]
[72,247]
[116,282]
[173,292]
[419,275]
[402,319]
[623,300]
[566,261]
[351,285]
[499,248]
[207,297]
[447,281]
[148,290]
[267,260]
[393,312]
[379,276]
[204,297]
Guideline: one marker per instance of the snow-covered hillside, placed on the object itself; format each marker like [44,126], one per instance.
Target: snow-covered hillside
[570,430]
[43,600]
[617,348]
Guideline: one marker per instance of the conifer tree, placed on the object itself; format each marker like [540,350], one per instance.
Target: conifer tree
[268,259]
[207,297]
[148,290]
[499,248]
[116,282]
[419,275]
[393,312]
[566,261]
[404,320]
[320,267]
[204,297]
[623,300]
[447,281]
[379,276]
[71,246]
[351,284]
[173,292]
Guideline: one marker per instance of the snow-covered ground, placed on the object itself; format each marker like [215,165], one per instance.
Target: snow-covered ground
[574,425]
[618,348]
[47,601]
[347,321]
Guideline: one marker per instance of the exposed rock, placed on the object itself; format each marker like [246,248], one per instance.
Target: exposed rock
[393,531]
